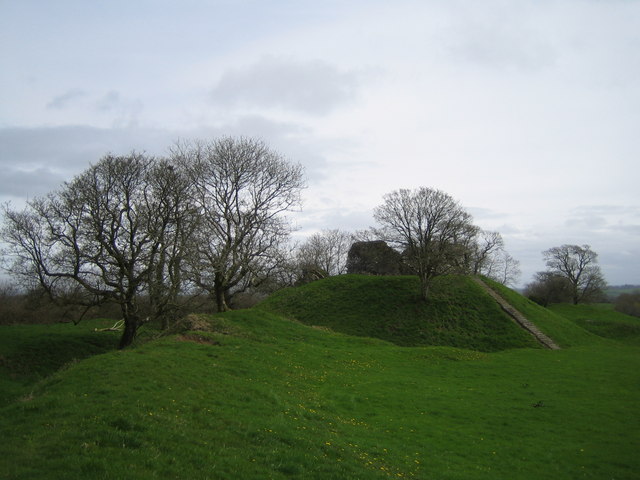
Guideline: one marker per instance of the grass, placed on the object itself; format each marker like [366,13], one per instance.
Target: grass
[458,313]
[29,353]
[264,397]
[601,319]
[562,330]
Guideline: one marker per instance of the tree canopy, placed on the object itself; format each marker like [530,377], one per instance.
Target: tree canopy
[577,265]
[431,229]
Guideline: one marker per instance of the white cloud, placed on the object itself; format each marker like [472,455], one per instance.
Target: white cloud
[312,87]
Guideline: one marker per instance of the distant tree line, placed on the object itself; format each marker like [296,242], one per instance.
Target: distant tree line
[628,303]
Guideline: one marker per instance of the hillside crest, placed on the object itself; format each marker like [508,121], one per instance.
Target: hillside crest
[459,312]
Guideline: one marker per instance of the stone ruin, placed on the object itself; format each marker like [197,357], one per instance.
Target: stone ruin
[374,258]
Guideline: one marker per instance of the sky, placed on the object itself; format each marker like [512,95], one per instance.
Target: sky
[527,112]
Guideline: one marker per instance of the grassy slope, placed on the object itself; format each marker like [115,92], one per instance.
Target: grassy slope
[603,320]
[29,353]
[458,313]
[562,330]
[272,398]
[264,397]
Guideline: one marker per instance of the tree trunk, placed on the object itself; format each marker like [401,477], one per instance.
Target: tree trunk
[129,332]
[131,323]
[575,295]
[425,284]
[220,293]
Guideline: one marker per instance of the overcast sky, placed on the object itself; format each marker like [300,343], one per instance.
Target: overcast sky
[526,112]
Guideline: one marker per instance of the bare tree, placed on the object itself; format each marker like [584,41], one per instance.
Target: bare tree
[325,253]
[485,246]
[175,222]
[98,239]
[578,265]
[502,268]
[488,257]
[430,227]
[241,188]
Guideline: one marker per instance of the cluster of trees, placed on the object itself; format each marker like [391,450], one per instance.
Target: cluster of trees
[573,276]
[137,230]
[148,234]
[432,231]
[437,236]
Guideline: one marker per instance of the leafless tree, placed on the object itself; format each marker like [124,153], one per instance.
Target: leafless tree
[325,253]
[101,238]
[502,267]
[484,246]
[578,265]
[430,227]
[241,189]
[487,256]
[176,220]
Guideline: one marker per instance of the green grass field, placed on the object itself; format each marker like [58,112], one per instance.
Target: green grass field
[261,396]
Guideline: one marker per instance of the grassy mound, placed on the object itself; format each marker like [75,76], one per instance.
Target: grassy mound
[562,330]
[259,396]
[603,320]
[458,313]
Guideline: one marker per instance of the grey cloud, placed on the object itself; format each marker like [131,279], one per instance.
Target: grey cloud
[509,229]
[500,53]
[313,87]
[109,101]
[350,221]
[125,111]
[66,99]
[587,221]
[633,230]
[502,41]
[259,126]
[37,160]
[605,217]
[346,220]
[588,210]
[28,183]
[481,213]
